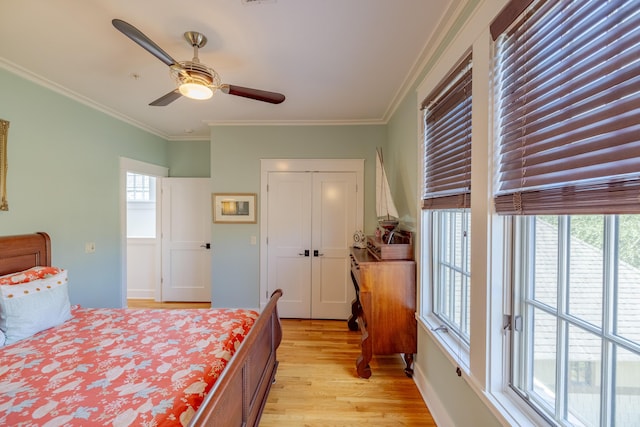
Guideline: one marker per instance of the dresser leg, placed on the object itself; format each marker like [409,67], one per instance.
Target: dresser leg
[356,309]
[363,368]
[408,359]
[362,364]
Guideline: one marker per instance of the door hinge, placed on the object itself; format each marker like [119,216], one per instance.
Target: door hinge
[512,323]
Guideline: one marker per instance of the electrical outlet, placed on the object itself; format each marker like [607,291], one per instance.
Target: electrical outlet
[253,240]
[89,247]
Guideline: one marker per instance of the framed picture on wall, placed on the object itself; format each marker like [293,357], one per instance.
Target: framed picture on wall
[4,130]
[234,208]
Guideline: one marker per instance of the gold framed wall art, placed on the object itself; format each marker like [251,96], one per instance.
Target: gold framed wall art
[234,208]
[4,131]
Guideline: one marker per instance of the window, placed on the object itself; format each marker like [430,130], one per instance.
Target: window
[567,80]
[450,276]
[577,356]
[139,187]
[446,199]
[141,206]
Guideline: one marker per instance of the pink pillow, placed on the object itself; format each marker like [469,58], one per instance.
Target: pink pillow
[34,273]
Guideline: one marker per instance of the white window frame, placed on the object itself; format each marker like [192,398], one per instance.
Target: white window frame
[439,219]
[523,254]
[143,185]
[484,366]
[456,348]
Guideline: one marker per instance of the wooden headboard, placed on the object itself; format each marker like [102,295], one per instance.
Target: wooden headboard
[24,251]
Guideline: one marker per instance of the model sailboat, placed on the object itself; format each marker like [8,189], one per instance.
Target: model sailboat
[385,208]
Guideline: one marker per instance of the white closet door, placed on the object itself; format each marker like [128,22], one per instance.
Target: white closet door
[289,241]
[311,220]
[332,226]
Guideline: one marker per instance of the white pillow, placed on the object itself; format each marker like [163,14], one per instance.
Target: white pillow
[31,307]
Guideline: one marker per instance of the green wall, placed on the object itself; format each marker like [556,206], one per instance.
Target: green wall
[63,178]
[235,165]
[458,404]
[402,163]
[462,405]
[189,159]
[401,159]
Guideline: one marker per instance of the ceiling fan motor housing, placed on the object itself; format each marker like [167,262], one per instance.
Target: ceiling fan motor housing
[195,72]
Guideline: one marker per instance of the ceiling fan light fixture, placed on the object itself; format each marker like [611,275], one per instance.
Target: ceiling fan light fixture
[195,91]
[193,79]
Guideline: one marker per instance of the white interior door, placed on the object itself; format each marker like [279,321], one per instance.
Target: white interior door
[333,224]
[289,235]
[186,234]
[311,220]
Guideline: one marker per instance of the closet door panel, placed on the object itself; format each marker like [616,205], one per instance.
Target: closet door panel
[332,228]
[289,241]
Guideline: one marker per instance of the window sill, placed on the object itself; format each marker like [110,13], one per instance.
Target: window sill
[455,350]
[505,405]
[511,410]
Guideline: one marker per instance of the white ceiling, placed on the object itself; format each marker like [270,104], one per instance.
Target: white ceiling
[337,61]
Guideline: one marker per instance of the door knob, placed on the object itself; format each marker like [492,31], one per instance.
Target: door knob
[316,253]
[306,253]
[206,245]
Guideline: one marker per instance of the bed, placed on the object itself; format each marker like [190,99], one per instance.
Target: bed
[124,367]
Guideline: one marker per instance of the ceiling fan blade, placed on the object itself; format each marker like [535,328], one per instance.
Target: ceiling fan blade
[147,44]
[166,99]
[257,94]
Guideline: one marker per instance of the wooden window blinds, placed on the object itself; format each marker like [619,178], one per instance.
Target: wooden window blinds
[447,141]
[567,79]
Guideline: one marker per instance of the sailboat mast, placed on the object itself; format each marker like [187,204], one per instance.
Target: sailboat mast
[385,206]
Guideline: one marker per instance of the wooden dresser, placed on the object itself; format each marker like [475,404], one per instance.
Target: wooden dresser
[384,308]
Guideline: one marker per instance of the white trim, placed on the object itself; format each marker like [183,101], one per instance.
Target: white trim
[214,123]
[41,81]
[140,294]
[431,398]
[477,23]
[481,209]
[143,167]
[131,165]
[451,346]
[301,165]
[485,374]
[506,406]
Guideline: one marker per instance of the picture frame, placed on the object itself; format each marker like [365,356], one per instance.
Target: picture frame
[234,208]
[4,131]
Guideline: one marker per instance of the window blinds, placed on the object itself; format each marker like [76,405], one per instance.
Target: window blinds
[447,141]
[568,107]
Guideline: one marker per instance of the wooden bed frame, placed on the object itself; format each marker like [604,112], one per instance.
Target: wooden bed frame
[240,393]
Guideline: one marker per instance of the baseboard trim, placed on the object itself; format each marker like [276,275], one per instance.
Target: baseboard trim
[141,294]
[431,398]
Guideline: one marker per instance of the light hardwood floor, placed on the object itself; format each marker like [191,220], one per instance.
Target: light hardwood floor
[317,386]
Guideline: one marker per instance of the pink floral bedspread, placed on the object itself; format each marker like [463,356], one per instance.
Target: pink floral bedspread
[119,367]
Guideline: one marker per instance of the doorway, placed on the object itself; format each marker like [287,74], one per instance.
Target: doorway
[166,234]
[141,219]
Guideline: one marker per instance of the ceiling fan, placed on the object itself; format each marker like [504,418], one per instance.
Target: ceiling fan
[194,79]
